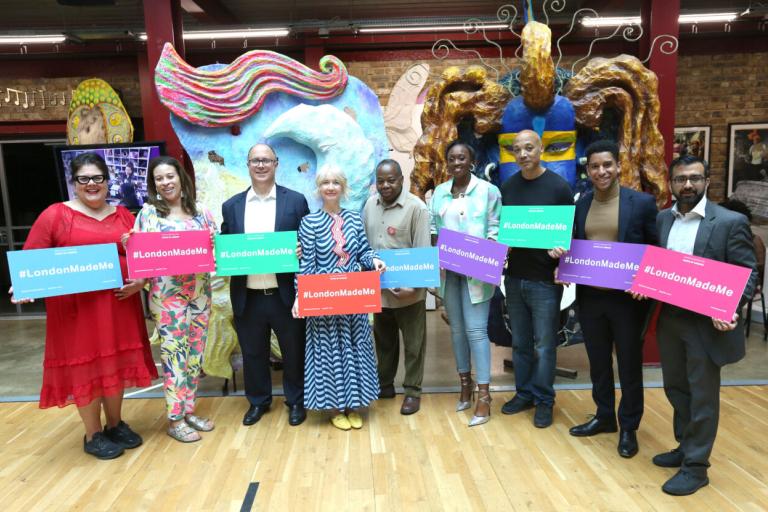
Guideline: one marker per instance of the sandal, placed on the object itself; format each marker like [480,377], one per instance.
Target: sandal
[198,423]
[183,433]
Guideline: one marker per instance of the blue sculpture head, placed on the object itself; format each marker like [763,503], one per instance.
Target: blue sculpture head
[557,129]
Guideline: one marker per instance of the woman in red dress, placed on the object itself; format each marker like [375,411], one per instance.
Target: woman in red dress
[96,342]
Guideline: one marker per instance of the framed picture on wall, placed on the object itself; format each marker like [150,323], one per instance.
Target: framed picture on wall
[747,159]
[692,140]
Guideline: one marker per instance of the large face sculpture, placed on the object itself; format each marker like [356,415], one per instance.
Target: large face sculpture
[557,129]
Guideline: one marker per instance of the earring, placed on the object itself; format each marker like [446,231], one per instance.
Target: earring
[158,197]
[472,169]
[181,194]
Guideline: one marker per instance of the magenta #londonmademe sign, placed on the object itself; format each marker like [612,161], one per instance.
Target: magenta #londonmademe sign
[702,285]
[605,264]
[471,256]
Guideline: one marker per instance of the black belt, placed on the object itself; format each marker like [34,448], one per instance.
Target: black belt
[263,291]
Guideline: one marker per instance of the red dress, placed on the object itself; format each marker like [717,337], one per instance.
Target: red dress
[95,345]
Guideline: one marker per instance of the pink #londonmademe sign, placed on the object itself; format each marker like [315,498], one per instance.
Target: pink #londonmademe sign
[702,285]
[169,253]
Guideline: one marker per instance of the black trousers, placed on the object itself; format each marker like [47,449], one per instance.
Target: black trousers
[611,318]
[692,386]
[264,313]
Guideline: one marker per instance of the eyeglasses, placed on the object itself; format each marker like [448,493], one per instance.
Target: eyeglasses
[98,178]
[695,179]
[260,162]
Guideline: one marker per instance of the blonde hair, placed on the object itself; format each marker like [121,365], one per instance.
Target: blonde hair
[331,172]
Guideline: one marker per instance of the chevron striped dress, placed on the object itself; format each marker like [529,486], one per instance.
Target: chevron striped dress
[340,366]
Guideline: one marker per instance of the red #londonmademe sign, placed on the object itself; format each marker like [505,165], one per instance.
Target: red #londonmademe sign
[339,294]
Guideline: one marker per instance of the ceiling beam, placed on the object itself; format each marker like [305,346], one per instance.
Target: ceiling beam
[209,11]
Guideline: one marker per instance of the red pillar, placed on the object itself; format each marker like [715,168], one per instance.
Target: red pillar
[660,17]
[313,54]
[162,19]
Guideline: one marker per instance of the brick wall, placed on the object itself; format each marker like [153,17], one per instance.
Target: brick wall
[716,90]
[712,90]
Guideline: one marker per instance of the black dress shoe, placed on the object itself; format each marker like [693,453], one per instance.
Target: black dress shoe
[516,405]
[627,444]
[296,415]
[542,418]
[592,427]
[387,392]
[670,459]
[254,414]
[684,483]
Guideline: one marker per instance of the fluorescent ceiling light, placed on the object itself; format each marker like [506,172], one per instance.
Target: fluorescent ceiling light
[230,34]
[707,18]
[33,39]
[374,29]
[684,18]
[610,21]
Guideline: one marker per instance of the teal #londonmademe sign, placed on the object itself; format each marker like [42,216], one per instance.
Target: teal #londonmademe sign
[37,273]
[537,227]
[256,253]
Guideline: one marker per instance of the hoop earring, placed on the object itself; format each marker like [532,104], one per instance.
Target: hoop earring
[158,197]
[181,194]
[472,169]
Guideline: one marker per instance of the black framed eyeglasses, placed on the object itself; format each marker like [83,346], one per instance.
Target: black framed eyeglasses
[98,178]
[259,162]
[695,179]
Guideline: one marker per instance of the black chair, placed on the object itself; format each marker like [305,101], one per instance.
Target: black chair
[748,319]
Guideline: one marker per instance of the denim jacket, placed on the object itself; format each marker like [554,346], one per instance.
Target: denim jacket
[483,202]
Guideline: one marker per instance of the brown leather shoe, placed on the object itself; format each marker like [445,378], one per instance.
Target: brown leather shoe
[411,405]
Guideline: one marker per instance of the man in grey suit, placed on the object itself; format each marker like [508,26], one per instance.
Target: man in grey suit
[694,347]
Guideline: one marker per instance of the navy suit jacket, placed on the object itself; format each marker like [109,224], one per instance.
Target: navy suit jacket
[637,217]
[723,235]
[290,207]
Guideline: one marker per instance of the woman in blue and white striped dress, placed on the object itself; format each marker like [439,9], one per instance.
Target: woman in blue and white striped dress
[340,366]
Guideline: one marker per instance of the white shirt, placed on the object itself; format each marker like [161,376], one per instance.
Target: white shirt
[682,234]
[260,214]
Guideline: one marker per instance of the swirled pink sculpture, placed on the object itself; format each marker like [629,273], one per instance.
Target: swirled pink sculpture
[231,94]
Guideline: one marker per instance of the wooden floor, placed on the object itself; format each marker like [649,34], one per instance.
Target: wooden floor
[429,461]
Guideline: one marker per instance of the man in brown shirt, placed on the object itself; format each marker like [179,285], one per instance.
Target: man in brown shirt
[611,318]
[397,219]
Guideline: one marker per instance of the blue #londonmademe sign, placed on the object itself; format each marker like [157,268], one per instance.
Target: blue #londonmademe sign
[37,273]
[410,268]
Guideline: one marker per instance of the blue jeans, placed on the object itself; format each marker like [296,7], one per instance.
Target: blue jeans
[469,328]
[534,317]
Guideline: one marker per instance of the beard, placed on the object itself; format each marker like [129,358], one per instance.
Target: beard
[690,200]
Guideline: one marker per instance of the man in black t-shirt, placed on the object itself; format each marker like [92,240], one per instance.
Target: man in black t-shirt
[533,298]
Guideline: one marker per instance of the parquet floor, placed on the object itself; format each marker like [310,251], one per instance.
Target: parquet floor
[428,461]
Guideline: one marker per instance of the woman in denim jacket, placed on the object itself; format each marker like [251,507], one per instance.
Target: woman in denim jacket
[472,206]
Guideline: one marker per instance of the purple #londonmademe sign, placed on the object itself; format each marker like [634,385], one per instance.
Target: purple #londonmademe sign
[595,263]
[471,256]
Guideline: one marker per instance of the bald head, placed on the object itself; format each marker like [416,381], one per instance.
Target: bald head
[260,148]
[528,135]
[527,151]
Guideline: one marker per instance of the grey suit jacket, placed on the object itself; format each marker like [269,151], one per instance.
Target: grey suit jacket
[723,235]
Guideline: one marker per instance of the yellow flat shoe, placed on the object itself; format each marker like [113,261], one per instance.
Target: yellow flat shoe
[355,420]
[341,422]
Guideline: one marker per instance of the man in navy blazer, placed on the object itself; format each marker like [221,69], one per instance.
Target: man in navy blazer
[612,318]
[694,347]
[262,303]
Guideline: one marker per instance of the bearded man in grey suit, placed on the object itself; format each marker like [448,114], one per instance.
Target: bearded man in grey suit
[694,347]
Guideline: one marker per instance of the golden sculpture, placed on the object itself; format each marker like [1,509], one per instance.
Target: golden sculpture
[455,96]
[626,85]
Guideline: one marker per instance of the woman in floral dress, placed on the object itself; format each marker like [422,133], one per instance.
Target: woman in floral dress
[180,304]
